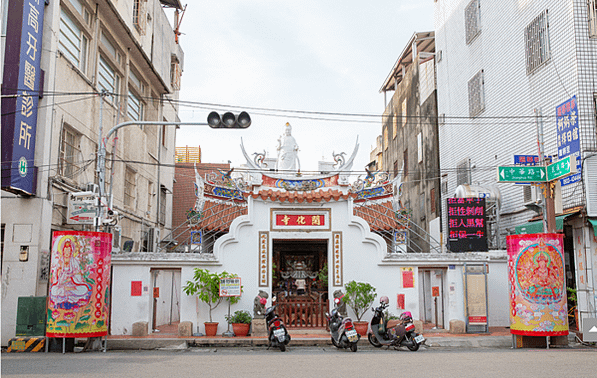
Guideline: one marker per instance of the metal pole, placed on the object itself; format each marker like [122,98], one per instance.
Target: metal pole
[101,151]
[98,218]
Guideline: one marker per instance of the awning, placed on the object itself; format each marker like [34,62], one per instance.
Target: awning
[536,227]
[594,223]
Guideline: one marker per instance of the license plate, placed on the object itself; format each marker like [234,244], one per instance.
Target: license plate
[352,335]
[419,339]
[280,334]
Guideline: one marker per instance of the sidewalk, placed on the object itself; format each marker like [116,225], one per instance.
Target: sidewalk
[497,337]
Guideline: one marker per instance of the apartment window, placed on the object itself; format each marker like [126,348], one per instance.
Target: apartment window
[175,74]
[70,151]
[394,124]
[150,195]
[164,135]
[536,40]
[385,138]
[463,172]
[134,108]
[72,42]
[107,79]
[404,115]
[472,20]
[432,201]
[395,169]
[139,18]
[592,18]
[405,163]
[162,204]
[476,94]
[129,187]
[444,184]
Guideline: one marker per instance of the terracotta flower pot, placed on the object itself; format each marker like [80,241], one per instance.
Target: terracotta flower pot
[211,328]
[361,328]
[240,329]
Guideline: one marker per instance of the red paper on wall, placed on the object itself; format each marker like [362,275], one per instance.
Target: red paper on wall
[136,288]
[408,280]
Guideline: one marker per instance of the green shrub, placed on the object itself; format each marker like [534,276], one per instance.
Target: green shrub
[359,297]
[239,316]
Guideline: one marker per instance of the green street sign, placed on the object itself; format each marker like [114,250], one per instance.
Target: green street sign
[535,173]
[562,168]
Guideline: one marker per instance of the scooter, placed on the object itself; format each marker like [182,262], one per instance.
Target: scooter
[402,334]
[343,333]
[276,331]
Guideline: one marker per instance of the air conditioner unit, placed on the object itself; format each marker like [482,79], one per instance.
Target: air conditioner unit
[153,238]
[532,198]
[116,238]
[590,179]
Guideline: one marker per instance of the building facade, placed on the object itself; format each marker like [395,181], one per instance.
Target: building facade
[511,76]
[100,64]
[410,140]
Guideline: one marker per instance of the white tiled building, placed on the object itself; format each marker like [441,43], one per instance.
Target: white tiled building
[498,62]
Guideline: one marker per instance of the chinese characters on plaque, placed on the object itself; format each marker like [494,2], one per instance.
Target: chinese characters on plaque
[467,230]
[568,137]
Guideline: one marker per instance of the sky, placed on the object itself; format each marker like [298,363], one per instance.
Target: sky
[318,59]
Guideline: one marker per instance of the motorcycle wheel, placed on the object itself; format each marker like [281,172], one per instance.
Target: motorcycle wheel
[373,341]
[335,343]
[353,347]
[415,346]
[282,347]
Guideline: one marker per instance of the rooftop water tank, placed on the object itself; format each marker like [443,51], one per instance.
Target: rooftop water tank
[477,191]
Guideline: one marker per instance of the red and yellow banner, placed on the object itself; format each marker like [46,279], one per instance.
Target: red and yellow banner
[536,275]
[79,283]
[300,220]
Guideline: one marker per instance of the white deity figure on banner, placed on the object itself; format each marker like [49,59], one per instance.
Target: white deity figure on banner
[287,152]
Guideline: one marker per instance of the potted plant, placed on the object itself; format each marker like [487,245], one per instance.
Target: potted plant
[359,297]
[206,286]
[241,321]
[573,309]
[322,276]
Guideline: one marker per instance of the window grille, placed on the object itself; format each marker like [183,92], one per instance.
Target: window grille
[107,79]
[139,15]
[129,187]
[592,18]
[175,74]
[472,20]
[134,107]
[463,172]
[476,94]
[70,150]
[536,39]
[405,162]
[162,205]
[72,42]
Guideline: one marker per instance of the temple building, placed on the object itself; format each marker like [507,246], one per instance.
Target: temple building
[301,238]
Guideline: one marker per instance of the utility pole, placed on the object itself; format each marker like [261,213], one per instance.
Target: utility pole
[549,210]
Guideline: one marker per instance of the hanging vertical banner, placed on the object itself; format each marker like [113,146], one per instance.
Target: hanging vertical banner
[20,95]
[79,284]
[538,304]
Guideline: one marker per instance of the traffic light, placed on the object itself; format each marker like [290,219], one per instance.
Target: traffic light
[229,120]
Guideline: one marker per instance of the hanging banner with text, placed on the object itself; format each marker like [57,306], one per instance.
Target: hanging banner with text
[79,284]
[538,303]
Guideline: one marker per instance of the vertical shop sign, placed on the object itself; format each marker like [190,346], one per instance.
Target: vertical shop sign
[569,136]
[20,94]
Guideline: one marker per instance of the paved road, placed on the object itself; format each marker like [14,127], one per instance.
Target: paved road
[306,362]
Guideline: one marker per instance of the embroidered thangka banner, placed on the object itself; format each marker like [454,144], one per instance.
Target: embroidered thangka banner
[79,283]
[538,304]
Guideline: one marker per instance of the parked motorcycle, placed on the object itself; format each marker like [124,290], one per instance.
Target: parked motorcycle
[276,331]
[343,333]
[402,334]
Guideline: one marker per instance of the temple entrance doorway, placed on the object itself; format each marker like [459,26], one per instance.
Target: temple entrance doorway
[302,296]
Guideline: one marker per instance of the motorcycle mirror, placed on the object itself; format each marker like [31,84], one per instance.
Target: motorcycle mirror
[274,298]
[337,300]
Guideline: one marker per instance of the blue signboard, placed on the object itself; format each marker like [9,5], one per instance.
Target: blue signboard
[20,94]
[569,136]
